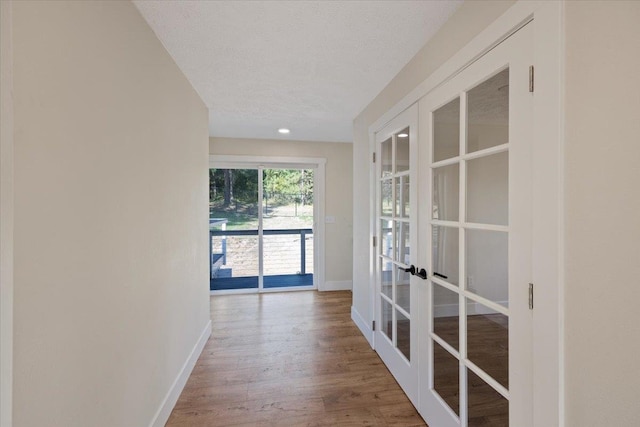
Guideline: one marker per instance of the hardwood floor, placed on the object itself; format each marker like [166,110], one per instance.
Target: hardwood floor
[290,359]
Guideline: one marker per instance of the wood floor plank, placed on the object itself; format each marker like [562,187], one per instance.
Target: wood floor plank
[289,359]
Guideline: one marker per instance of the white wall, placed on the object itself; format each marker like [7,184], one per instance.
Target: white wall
[6,213]
[111,288]
[602,336]
[338,193]
[468,21]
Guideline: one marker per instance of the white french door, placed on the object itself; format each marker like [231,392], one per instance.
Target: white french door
[396,220]
[475,237]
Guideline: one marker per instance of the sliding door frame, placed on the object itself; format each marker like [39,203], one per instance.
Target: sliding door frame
[318,165]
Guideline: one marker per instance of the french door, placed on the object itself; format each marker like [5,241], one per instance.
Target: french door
[475,237]
[395,302]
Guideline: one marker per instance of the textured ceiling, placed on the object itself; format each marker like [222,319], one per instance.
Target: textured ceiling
[311,66]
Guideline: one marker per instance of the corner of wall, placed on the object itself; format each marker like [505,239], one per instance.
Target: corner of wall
[362,324]
[337,285]
[169,402]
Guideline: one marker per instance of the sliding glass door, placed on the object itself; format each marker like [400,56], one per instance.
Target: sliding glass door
[261,228]
[234,218]
[287,227]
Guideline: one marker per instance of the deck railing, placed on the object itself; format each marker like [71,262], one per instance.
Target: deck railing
[220,258]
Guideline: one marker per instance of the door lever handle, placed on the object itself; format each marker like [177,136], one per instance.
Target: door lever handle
[411,270]
[422,274]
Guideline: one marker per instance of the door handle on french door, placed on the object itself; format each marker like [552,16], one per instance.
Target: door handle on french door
[422,274]
[410,270]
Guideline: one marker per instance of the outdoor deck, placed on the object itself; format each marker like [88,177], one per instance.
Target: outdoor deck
[287,258]
[269,282]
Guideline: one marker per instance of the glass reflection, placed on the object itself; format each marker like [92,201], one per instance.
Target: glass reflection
[403,327]
[445,253]
[487,407]
[386,158]
[488,189]
[488,117]
[488,341]
[387,318]
[446,312]
[487,264]
[402,150]
[446,190]
[446,131]
[446,376]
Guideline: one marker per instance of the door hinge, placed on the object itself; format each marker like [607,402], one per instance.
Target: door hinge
[531,75]
[374,157]
[375,241]
[530,296]
[373,325]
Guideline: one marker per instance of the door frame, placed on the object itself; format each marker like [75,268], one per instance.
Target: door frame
[318,164]
[548,189]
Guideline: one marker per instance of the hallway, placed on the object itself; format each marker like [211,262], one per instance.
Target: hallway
[289,359]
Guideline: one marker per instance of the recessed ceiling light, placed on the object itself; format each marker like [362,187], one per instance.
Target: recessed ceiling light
[403,135]
[284,130]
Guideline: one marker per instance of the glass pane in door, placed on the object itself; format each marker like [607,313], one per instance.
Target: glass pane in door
[387,319]
[446,312]
[487,407]
[386,278]
[403,326]
[446,193]
[446,380]
[487,264]
[488,189]
[233,228]
[386,238]
[386,196]
[488,117]
[386,158]
[402,242]
[287,216]
[403,201]
[488,341]
[445,253]
[402,150]
[446,131]
[403,289]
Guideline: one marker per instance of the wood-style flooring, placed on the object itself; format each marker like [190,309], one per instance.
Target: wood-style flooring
[290,359]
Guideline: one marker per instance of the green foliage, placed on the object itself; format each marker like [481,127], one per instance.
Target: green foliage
[287,186]
[244,185]
[281,186]
[233,195]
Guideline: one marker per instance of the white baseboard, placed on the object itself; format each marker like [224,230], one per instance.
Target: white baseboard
[363,325]
[162,416]
[337,285]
